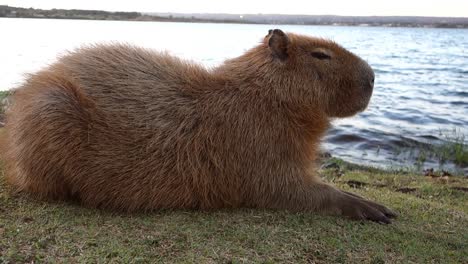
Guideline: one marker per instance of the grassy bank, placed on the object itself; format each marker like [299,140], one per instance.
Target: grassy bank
[3,94]
[431,228]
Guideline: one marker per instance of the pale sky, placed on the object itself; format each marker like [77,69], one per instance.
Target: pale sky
[450,8]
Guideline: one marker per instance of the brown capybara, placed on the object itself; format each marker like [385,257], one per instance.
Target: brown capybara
[127,128]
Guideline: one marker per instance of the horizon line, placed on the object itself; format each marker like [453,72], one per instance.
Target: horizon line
[239,14]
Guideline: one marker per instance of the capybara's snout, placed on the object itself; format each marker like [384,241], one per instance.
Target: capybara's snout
[368,78]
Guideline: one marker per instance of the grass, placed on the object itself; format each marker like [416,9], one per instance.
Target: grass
[431,228]
[3,94]
[455,147]
[451,148]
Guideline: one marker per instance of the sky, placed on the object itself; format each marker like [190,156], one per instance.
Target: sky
[449,8]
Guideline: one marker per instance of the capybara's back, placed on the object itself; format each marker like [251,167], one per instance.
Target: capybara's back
[126,128]
[106,125]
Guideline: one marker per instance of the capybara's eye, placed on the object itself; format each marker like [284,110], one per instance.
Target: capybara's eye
[320,55]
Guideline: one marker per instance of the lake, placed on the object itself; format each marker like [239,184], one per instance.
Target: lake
[421,88]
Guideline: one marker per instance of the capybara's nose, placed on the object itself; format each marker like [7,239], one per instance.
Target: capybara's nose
[369,87]
[371,82]
[369,78]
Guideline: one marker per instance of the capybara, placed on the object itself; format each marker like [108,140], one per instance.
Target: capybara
[126,128]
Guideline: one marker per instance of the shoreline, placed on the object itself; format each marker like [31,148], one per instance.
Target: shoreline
[201,21]
[255,19]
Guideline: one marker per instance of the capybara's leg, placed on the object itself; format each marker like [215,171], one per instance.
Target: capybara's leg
[358,208]
[382,208]
[44,185]
[321,197]
[46,130]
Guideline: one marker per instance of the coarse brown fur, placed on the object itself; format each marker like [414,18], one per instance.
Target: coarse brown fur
[126,128]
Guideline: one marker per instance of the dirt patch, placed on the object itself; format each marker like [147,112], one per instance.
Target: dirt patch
[406,190]
[460,188]
[356,184]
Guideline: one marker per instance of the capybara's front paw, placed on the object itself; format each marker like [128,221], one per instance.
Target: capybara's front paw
[358,208]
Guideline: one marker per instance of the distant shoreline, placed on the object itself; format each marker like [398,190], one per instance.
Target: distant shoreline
[268,19]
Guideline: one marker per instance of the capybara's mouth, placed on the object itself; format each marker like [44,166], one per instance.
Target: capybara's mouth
[364,103]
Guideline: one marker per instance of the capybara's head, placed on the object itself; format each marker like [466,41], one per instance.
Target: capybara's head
[319,72]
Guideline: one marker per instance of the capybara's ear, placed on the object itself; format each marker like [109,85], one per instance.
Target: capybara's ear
[278,42]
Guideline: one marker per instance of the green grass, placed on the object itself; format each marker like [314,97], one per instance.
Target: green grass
[431,228]
[451,148]
[455,147]
[3,94]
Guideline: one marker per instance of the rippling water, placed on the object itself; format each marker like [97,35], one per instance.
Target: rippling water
[421,89]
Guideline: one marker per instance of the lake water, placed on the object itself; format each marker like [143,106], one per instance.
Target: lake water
[421,89]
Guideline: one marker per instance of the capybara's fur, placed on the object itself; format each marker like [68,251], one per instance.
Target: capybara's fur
[127,128]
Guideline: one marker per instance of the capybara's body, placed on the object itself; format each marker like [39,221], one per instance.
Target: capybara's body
[125,128]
